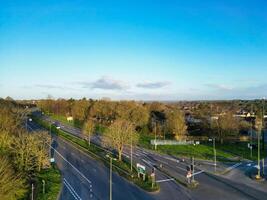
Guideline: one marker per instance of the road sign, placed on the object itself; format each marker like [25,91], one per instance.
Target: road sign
[141,168]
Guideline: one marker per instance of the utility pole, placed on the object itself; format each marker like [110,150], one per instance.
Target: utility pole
[193,170]
[131,152]
[214,150]
[251,124]
[32,190]
[263,122]
[110,180]
[155,135]
[259,168]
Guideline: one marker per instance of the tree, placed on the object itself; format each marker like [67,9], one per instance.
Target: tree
[5,141]
[12,186]
[175,123]
[88,129]
[79,109]
[119,134]
[41,149]
[226,125]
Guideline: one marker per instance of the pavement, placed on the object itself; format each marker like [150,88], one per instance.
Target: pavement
[235,184]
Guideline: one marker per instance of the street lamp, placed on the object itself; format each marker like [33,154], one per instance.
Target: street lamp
[214,151]
[131,151]
[110,175]
[155,143]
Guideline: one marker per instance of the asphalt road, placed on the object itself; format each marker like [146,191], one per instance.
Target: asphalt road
[85,178]
[210,187]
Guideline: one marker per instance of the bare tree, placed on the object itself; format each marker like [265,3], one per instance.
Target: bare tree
[88,129]
[119,134]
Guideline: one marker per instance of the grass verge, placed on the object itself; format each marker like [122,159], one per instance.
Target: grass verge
[49,182]
[225,152]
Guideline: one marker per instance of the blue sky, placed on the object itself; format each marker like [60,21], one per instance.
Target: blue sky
[148,50]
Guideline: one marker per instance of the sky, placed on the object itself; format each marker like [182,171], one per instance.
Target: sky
[139,49]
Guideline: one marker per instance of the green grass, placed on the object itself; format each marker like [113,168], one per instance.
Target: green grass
[241,149]
[52,180]
[225,152]
[204,152]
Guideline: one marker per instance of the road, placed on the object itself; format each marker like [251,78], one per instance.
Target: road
[211,186]
[85,178]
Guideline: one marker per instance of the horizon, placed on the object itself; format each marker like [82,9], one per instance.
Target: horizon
[144,51]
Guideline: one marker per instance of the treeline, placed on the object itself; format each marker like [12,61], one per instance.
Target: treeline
[146,118]
[166,120]
[22,154]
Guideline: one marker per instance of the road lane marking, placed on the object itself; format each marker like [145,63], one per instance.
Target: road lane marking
[165,180]
[71,189]
[198,172]
[148,162]
[232,167]
[125,155]
[181,168]
[172,159]
[81,174]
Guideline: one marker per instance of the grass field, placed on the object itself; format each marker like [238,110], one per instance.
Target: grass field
[225,152]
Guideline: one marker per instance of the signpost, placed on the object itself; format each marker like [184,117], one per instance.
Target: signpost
[141,169]
[153,177]
[52,160]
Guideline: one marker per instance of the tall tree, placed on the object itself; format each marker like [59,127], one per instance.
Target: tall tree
[119,134]
[88,129]
[226,125]
[175,123]
[12,186]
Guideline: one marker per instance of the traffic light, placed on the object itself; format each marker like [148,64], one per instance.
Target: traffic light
[188,168]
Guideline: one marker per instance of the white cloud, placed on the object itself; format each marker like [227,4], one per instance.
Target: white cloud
[153,85]
[105,83]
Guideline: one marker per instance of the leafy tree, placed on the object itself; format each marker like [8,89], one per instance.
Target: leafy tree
[175,123]
[79,109]
[119,134]
[226,125]
[12,186]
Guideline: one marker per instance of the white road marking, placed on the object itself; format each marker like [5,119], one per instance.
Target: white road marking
[70,188]
[198,172]
[234,166]
[147,162]
[126,155]
[172,159]
[165,180]
[81,174]
[181,168]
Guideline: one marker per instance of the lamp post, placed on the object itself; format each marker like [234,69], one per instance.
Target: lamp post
[214,151]
[110,175]
[155,131]
[263,121]
[131,152]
